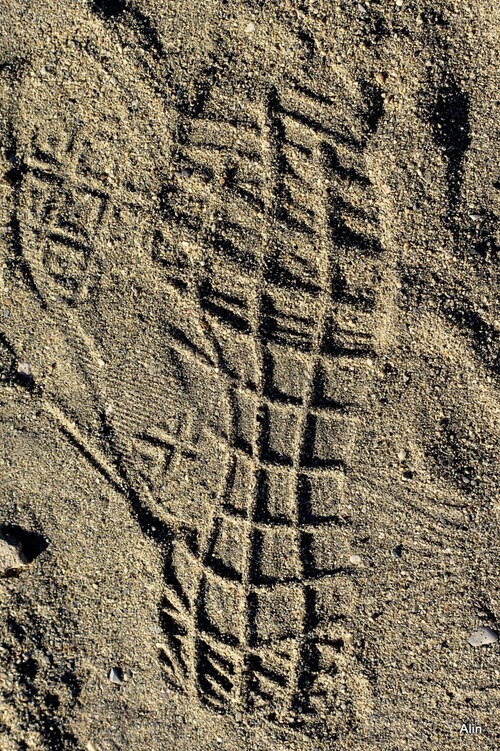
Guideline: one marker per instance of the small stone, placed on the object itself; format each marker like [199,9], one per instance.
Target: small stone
[355,559]
[12,558]
[397,552]
[250,27]
[475,217]
[381,78]
[127,675]
[484,635]
[24,372]
[402,455]
[115,675]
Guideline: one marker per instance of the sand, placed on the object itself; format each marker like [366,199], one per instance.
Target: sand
[249,367]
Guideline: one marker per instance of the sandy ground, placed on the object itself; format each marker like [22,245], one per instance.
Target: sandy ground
[249,366]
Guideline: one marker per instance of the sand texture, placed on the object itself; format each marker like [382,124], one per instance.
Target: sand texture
[249,331]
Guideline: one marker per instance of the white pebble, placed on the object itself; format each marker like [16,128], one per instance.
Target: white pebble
[24,369]
[484,635]
[250,27]
[115,675]
[355,559]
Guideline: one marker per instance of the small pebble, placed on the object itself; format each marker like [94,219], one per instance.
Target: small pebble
[484,635]
[250,27]
[24,370]
[115,675]
[475,217]
[356,559]
[397,552]
[12,558]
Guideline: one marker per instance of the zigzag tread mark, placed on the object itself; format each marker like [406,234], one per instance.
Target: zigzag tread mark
[282,439]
